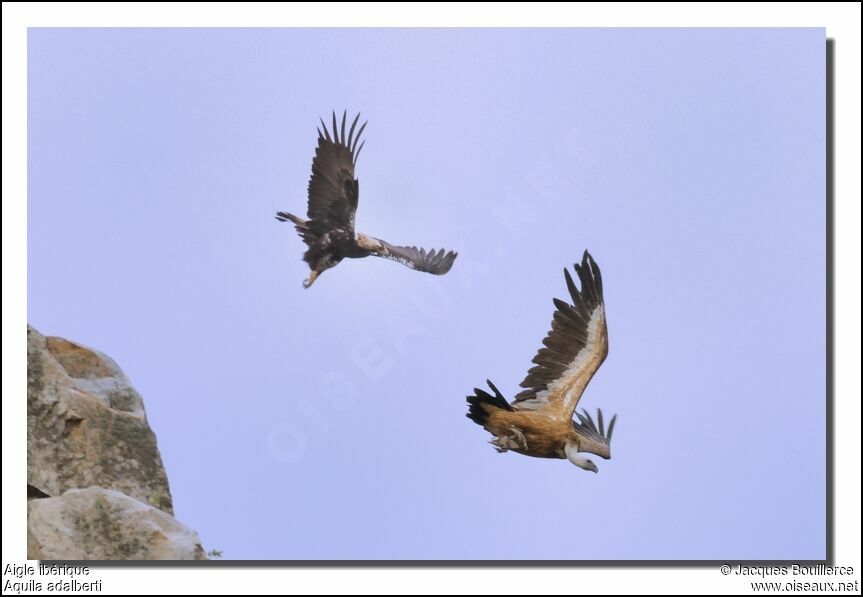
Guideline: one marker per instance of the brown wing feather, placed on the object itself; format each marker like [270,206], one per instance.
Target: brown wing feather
[574,348]
[333,188]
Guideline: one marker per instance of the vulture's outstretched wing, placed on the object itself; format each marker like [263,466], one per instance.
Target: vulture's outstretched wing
[434,262]
[588,429]
[333,189]
[574,348]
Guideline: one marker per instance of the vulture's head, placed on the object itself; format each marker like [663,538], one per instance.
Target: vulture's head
[584,463]
[579,459]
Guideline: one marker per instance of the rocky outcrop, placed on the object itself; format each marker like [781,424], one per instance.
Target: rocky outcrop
[101,524]
[92,452]
[86,425]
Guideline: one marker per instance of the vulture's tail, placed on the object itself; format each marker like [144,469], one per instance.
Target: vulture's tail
[482,403]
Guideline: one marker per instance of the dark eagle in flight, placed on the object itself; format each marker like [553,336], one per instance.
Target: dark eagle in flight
[333,196]
[539,422]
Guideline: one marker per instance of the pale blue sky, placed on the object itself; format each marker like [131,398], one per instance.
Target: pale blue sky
[329,423]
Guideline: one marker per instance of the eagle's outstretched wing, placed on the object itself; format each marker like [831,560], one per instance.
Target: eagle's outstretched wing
[333,189]
[434,262]
[574,348]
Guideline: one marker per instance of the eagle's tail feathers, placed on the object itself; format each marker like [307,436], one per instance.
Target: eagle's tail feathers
[284,216]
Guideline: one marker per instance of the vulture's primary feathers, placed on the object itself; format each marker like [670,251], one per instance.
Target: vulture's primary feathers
[333,196]
[539,421]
